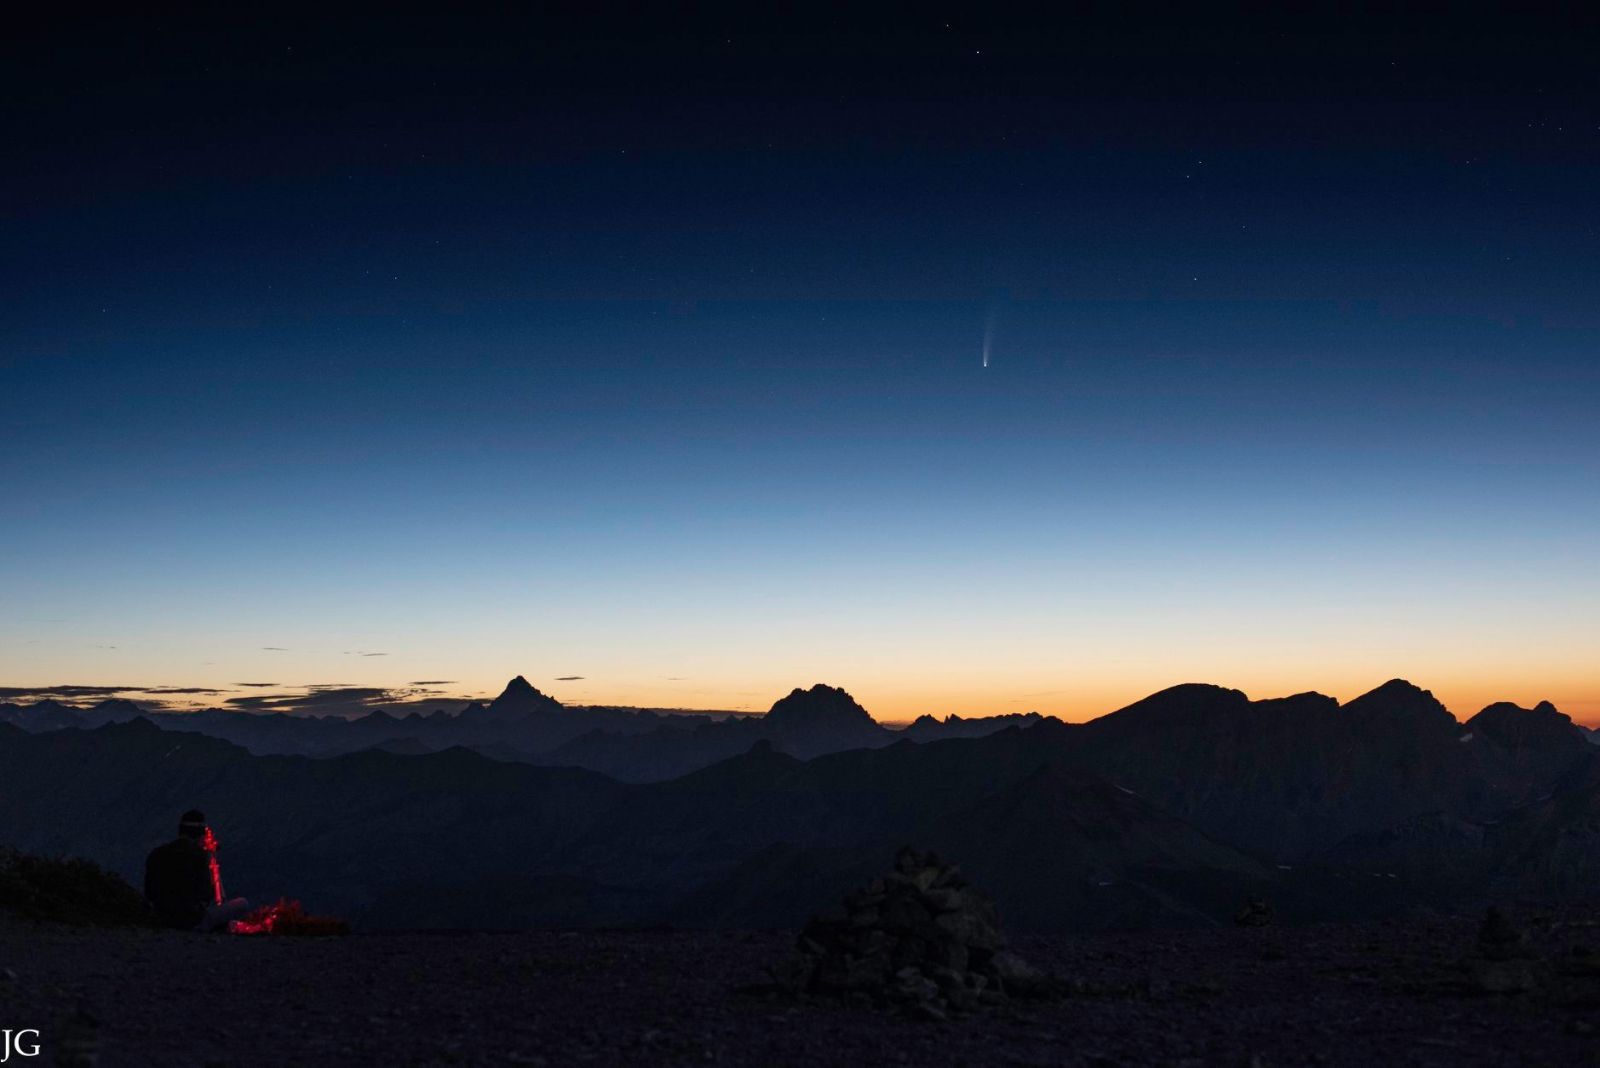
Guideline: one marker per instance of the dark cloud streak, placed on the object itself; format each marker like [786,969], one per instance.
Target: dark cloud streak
[65,691]
[338,699]
[77,692]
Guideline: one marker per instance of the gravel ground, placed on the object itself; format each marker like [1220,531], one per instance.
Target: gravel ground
[1378,994]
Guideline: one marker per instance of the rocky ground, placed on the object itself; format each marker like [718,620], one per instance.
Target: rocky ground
[1397,993]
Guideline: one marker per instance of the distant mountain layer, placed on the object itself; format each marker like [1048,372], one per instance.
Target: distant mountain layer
[1170,811]
[456,839]
[1290,777]
[525,725]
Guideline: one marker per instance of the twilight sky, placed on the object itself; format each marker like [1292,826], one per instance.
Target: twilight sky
[370,352]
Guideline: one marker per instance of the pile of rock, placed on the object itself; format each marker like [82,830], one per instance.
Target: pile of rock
[918,938]
[1256,913]
[1504,962]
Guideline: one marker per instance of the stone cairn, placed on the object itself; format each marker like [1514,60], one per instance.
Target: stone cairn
[919,939]
[1256,913]
[1503,963]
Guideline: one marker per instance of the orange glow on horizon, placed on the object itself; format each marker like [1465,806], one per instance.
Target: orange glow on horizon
[898,705]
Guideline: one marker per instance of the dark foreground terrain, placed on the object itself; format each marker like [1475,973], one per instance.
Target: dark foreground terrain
[1389,993]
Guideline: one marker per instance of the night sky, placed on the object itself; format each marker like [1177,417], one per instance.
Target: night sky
[369,352]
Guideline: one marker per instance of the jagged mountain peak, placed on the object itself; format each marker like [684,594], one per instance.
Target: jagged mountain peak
[1398,688]
[1517,727]
[520,698]
[1177,703]
[1397,696]
[820,706]
[517,688]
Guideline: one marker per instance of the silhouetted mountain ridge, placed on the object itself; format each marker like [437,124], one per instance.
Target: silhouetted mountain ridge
[1539,727]
[524,725]
[929,728]
[420,840]
[1166,811]
[1289,778]
[821,706]
[518,700]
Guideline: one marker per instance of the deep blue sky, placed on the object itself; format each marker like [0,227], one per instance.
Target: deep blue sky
[652,354]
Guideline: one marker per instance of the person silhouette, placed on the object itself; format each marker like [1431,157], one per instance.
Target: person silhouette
[184,884]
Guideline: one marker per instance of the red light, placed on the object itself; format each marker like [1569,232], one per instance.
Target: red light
[261,921]
[287,917]
[208,842]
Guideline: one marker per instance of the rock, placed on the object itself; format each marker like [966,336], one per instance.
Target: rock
[794,972]
[1502,976]
[961,999]
[1256,913]
[906,860]
[941,899]
[1008,966]
[903,912]
[78,1044]
[919,939]
[1019,977]
[1499,938]
[950,954]
[1502,964]
[1581,961]
[970,930]
[913,984]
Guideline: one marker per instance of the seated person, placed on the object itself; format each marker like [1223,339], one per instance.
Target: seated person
[183,885]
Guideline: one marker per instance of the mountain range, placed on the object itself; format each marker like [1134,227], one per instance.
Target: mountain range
[1173,810]
[525,725]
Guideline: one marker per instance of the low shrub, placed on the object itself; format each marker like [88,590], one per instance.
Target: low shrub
[67,890]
